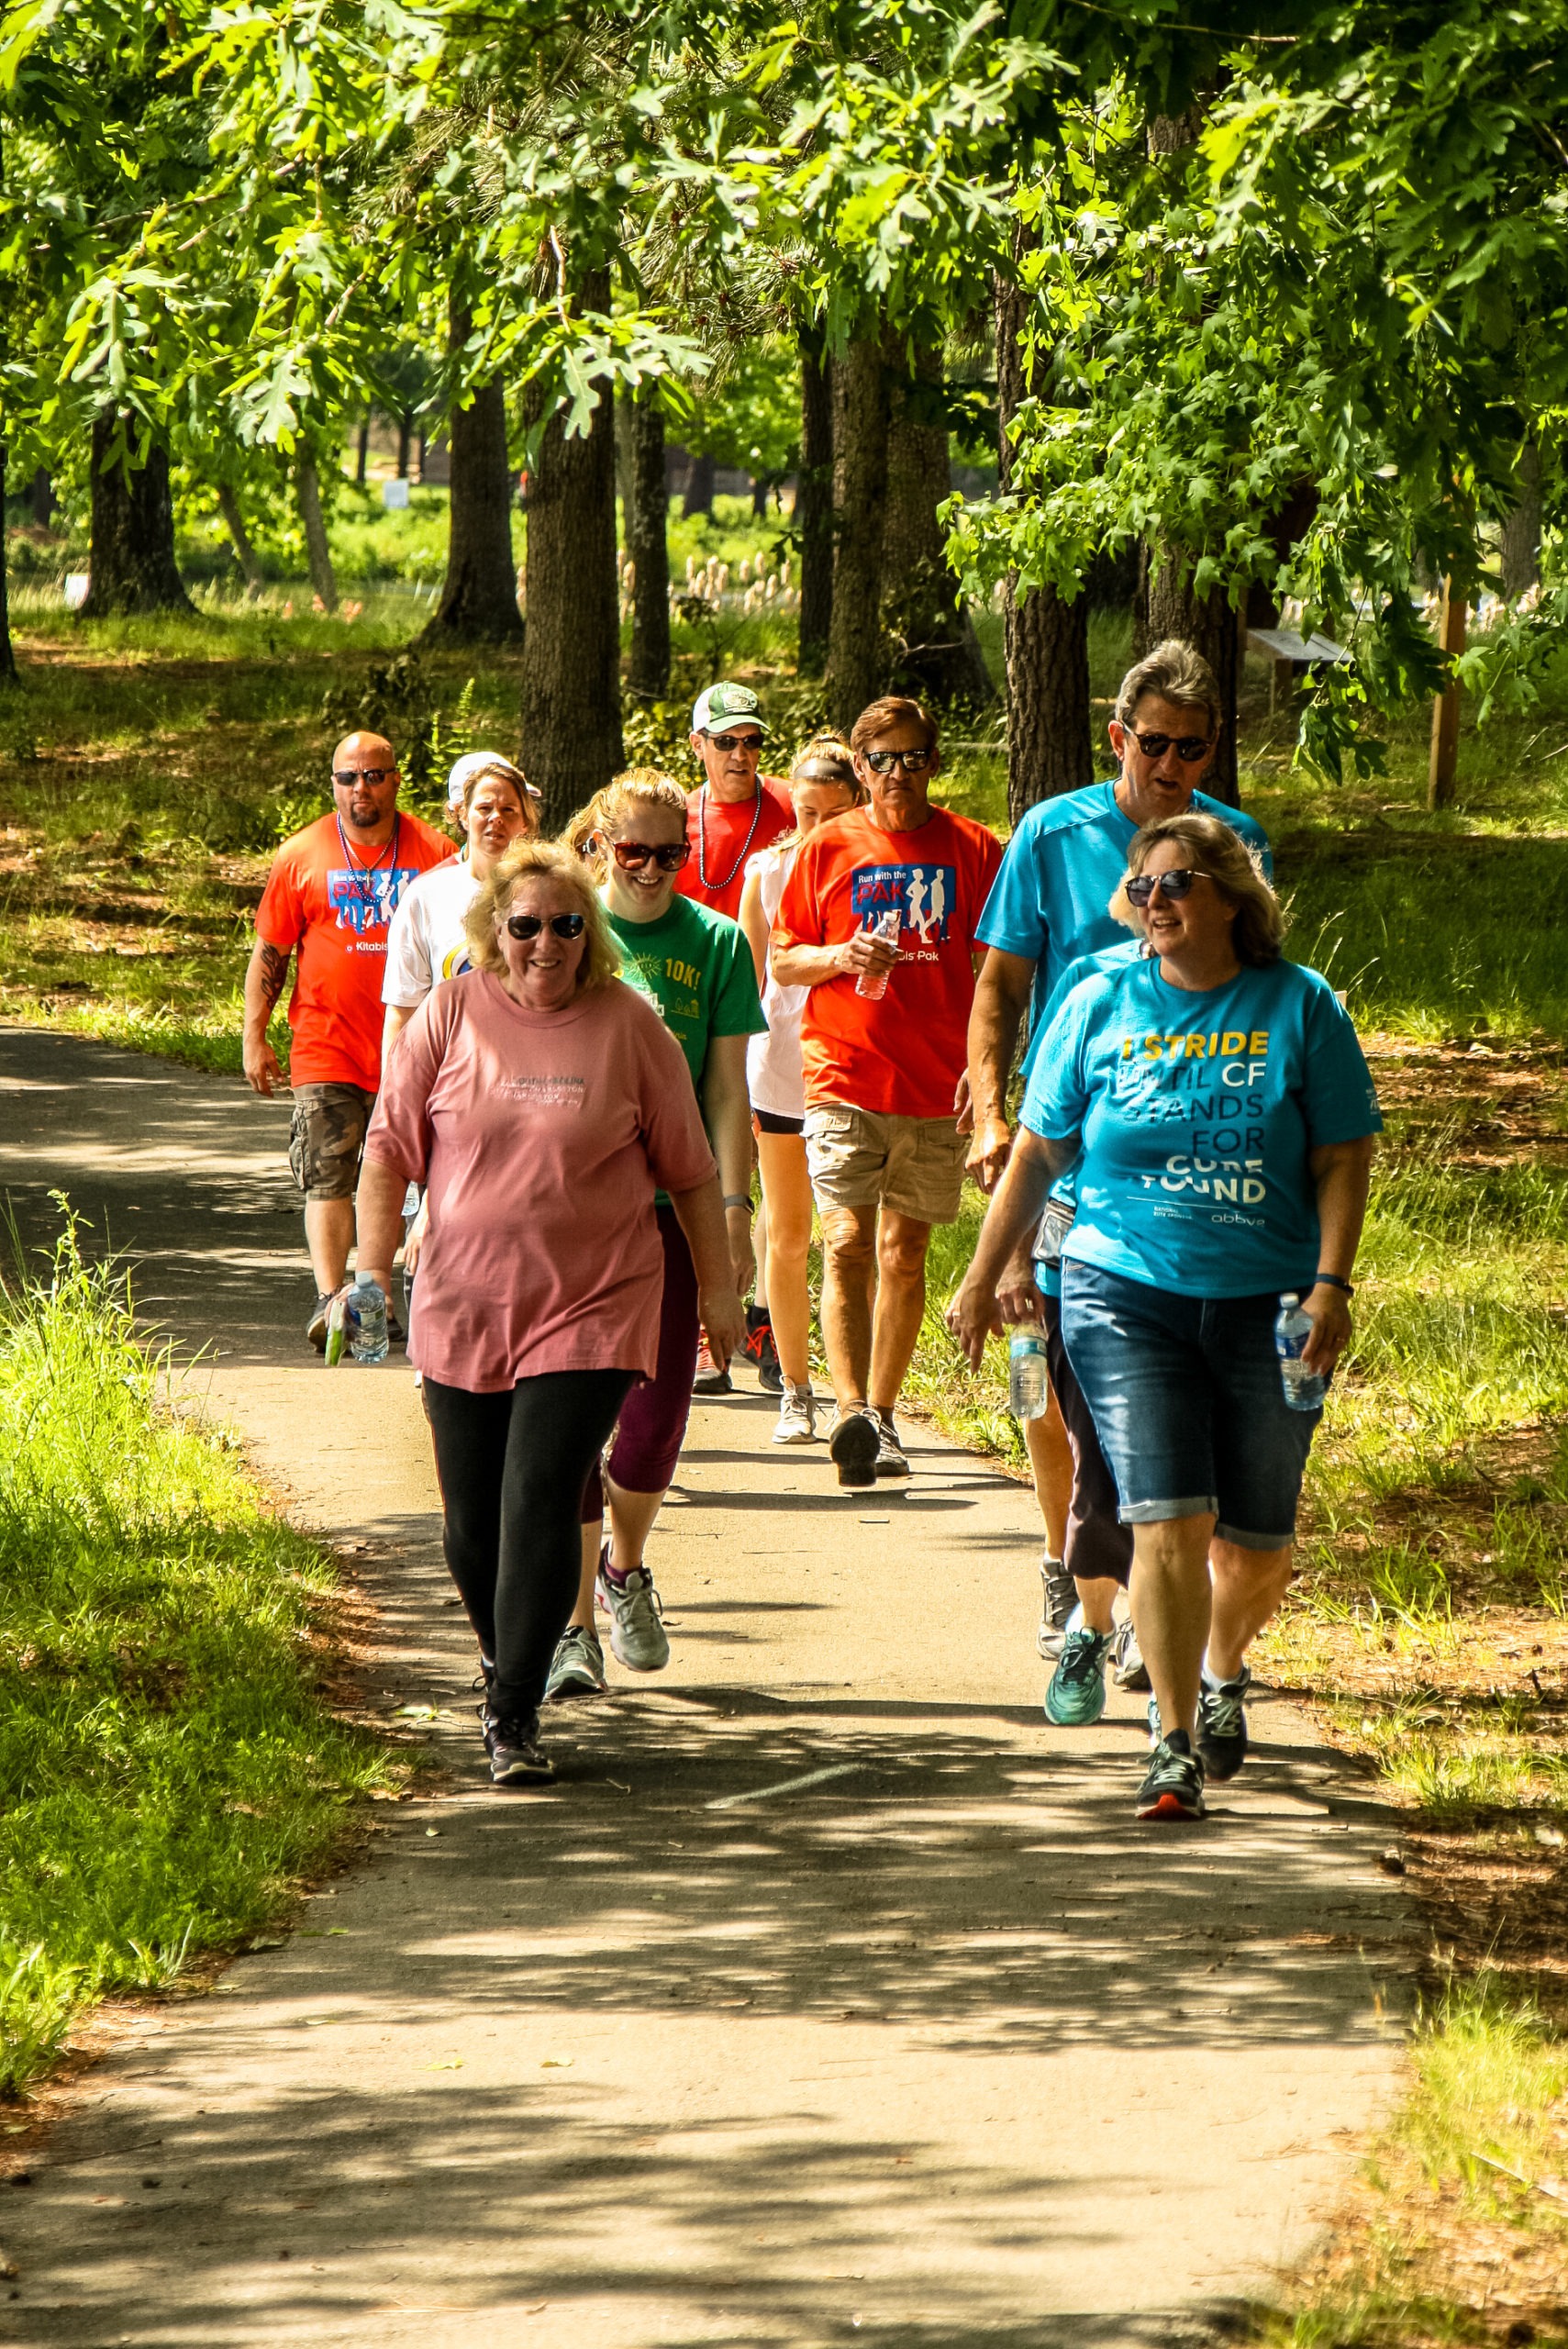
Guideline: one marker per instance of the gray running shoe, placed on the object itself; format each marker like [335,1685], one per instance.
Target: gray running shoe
[1173,1784]
[1127,1667]
[1222,1725]
[577,1667]
[315,1327]
[853,1445]
[890,1460]
[517,1757]
[797,1417]
[636,1634]
[1060,1598]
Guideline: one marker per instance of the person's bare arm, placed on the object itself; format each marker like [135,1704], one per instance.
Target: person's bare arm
[378,1219]
[727,1113]
[398,1015]
[700,1214]
[1001,999]
[975,1313]
[266,975]
[813,966]
[1343,1173]
[754,922]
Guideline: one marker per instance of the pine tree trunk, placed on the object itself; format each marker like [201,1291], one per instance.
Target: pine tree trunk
[479,597]
[1211,625]
[571,696]
[940,656]
[405,443]
[41,496]
[857,665]
[132,559]
[363,454]
[317,555]
[1050,740]
[648,546]
[8,674]
[814,503]
[698,498]
[234,523]
[1522,531]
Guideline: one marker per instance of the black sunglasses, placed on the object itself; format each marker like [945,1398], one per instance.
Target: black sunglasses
[728,743]
[529,925]
[347,776]
[632,855]
[1189,748]
[1177,883]
[884,761]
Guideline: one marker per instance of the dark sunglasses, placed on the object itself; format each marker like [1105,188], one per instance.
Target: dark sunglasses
[728,743]
[521,926]
[912,762]
[632,855]
[348,776]
[1178,883]
[1189,748]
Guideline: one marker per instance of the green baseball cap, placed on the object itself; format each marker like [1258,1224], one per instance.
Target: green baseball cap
[725,704]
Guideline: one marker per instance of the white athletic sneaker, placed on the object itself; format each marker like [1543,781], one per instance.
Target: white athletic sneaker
[637,1637]
[797,1417]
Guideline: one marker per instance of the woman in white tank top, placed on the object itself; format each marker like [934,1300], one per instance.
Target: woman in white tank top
[822,784]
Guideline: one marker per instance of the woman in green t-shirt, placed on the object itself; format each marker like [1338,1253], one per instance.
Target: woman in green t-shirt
[695,968]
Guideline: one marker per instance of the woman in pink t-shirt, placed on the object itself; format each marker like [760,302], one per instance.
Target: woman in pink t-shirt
[542,1103]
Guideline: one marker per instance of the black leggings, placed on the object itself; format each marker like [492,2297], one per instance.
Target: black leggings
[512,1468]
[1098,1547]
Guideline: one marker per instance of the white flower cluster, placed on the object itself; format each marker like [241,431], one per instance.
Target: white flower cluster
[751,586]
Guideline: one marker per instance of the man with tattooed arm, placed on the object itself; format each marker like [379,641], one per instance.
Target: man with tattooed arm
[329,903]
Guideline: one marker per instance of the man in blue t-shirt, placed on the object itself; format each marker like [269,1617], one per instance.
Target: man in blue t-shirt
[1066,859]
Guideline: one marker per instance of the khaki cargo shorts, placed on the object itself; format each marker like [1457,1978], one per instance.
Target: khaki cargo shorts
[327,1136]
[860,1158]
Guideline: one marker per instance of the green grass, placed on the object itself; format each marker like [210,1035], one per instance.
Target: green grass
[169,1770]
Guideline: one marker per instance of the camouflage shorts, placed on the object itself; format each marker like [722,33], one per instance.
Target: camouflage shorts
[326,1137]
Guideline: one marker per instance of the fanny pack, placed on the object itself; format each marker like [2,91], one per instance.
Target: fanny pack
[1053,1228]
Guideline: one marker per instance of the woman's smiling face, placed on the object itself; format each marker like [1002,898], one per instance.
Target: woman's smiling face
[1198,923]
[640,893]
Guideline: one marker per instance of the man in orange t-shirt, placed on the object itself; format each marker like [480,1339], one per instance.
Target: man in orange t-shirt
[878,920]
[734,812]
[329,899]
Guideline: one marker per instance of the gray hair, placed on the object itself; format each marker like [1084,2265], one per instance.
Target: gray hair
[1175,670]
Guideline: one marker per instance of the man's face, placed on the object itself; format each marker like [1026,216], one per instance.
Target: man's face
[900,793]
[364,781]
[1161,783]
[729,756]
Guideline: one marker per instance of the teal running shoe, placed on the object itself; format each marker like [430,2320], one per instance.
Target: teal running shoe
[1076,1697]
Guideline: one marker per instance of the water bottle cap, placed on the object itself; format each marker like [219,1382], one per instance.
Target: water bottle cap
[365,1280]
[1290,1298]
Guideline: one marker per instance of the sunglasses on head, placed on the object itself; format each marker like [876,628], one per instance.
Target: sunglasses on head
[1178,883]
[884,761]
[632,855]
[1189,748]
[348,776]
[728,743]
[522,925]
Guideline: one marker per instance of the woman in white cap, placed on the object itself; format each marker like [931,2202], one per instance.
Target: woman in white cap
[491,803]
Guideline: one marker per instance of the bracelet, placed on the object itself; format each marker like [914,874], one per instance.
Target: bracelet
[1333,1280]
[739,1199]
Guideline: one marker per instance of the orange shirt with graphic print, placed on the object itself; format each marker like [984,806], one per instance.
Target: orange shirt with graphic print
[335,909]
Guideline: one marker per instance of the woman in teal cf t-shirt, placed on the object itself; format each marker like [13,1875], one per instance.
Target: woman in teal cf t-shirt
[1222,1117]
[695,968]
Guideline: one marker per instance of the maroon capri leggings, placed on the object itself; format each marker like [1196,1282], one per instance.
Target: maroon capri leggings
[653,1423]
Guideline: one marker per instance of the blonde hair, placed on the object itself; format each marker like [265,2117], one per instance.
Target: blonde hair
[1229,863]
[525,860]
[499,769]
[824,750]
[620,800]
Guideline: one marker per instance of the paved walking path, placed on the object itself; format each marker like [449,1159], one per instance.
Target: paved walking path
[830,1996]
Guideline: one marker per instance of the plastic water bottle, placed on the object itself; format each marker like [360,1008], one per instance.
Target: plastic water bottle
[1029,1380]
[873,984]
[366,1316]
[1303,1388]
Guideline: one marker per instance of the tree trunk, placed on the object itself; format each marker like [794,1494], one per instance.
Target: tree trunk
[625,488]
[1050,740]
[132,559]
[317,555]
[41,496]
[698,498]
[814,503]
[1522,531]
[479,599]
[405,443]
[940,656]
[857,667]
[9,676]
[234,522]
[363,454]
[571,697]
[649,548]
[1169,608]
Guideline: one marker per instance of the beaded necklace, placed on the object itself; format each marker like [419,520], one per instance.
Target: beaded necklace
[719,886]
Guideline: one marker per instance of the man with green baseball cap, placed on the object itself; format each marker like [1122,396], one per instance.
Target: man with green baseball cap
[736,810]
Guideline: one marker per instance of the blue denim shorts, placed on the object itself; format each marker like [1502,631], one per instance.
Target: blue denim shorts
[1187,1397]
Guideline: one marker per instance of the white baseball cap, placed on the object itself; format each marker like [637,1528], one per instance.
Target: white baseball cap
[722,706]
[471,766]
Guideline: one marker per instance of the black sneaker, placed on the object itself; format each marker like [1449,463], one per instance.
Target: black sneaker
[1127,1667]
[1172,1785]
[761,1351]
[517,1757]
[397,1330]
[890,1457]
[853,1446]
[711,1377]
[1058,1599]
[1222,1725]
[315,1327]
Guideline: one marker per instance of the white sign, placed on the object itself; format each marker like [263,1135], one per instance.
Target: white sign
[394,495]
